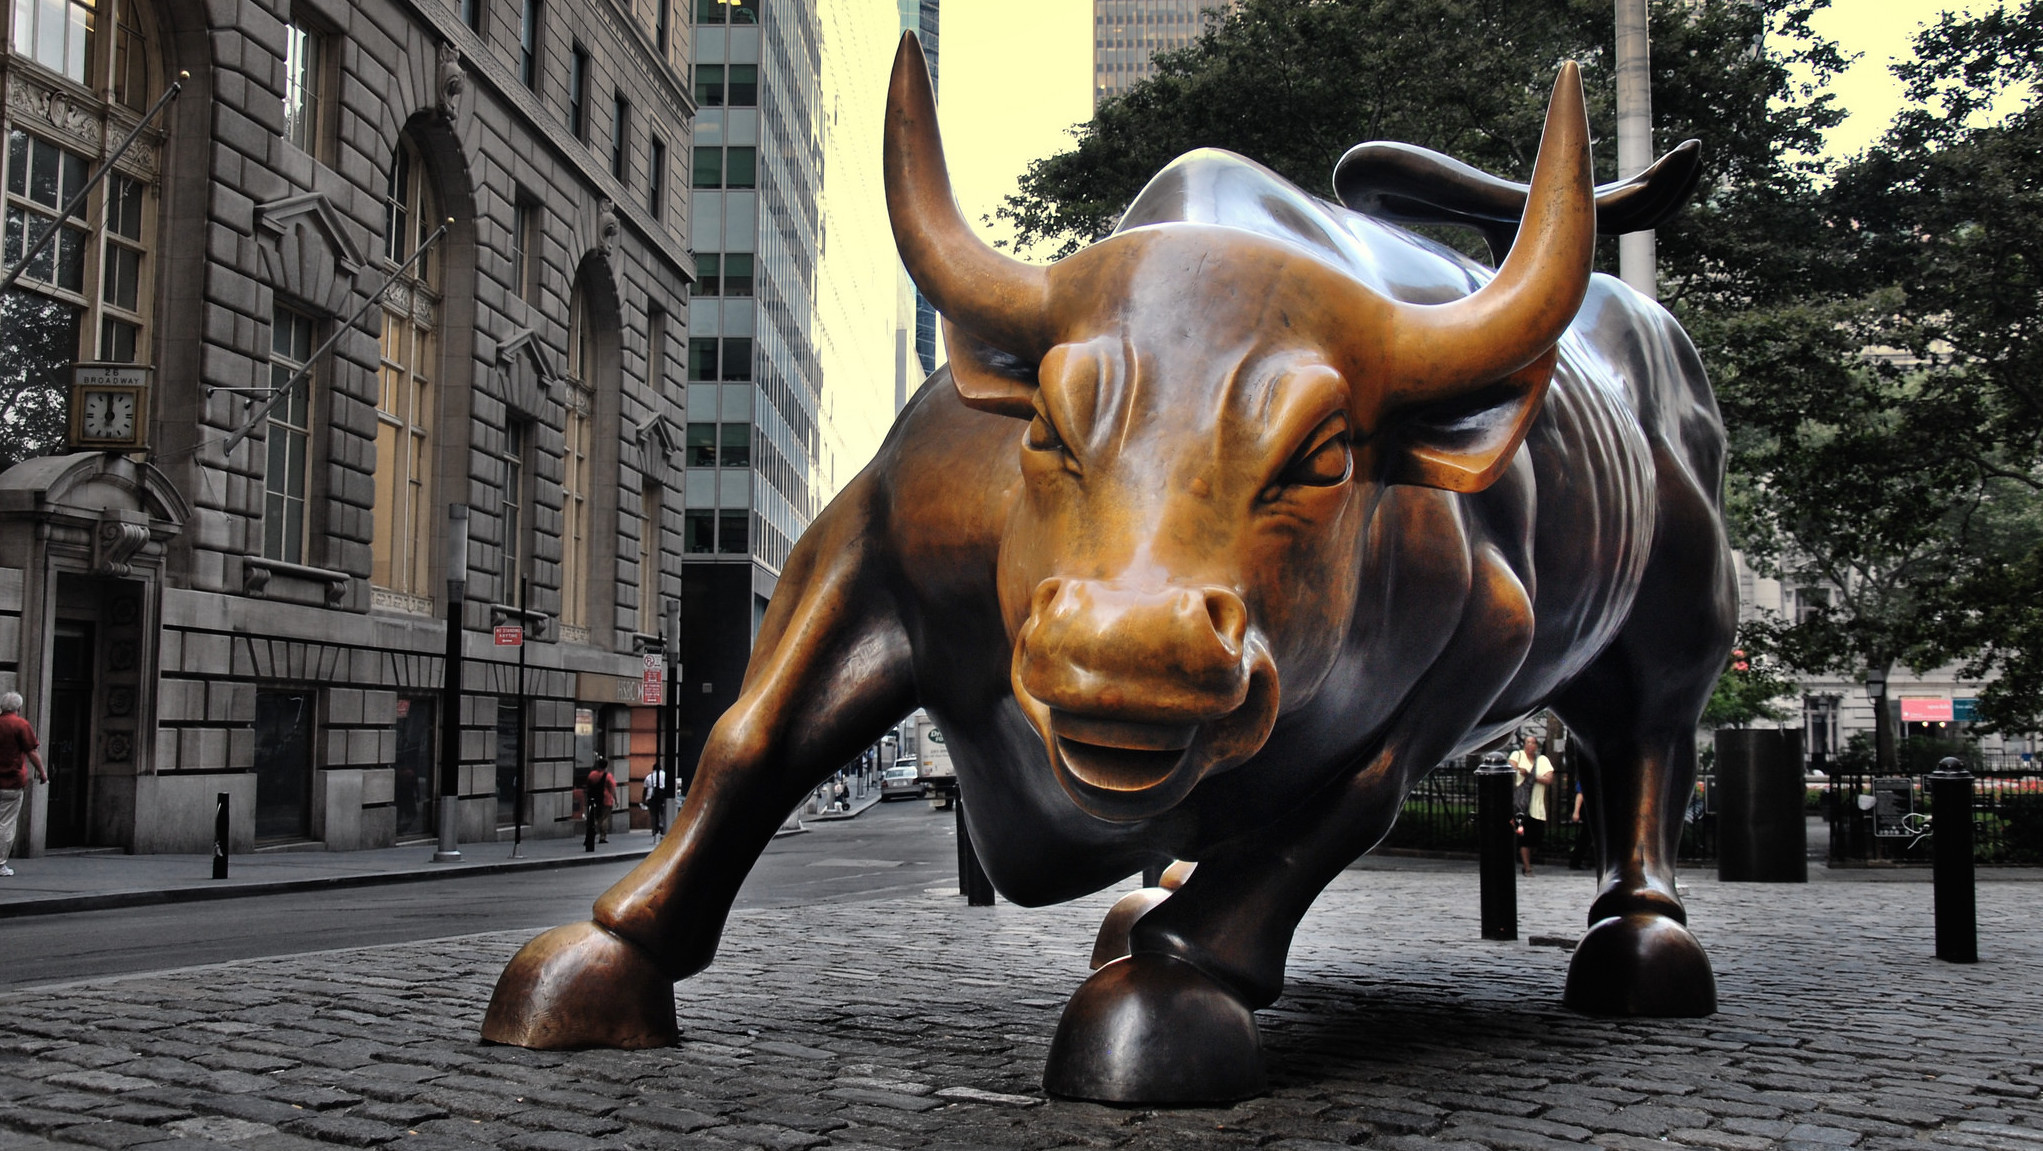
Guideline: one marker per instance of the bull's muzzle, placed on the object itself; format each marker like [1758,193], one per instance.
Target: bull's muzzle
[1140,692]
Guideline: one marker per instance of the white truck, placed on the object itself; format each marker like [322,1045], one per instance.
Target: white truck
[933,764]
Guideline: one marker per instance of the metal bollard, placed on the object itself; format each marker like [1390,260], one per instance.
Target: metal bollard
[1496,847]
[1951,842]
[221,801]
[972,880]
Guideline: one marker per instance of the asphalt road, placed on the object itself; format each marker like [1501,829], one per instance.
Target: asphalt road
[892,850]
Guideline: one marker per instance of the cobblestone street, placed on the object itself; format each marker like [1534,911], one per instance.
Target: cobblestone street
[921,1023]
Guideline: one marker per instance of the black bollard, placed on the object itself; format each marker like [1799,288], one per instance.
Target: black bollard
[972,881]
[1497,847]
[1951,841]
[220,836]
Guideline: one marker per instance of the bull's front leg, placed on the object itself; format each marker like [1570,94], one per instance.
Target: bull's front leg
[1174,1022]
[830,672]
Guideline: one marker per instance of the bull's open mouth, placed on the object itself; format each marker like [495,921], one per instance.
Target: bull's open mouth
[1120,756]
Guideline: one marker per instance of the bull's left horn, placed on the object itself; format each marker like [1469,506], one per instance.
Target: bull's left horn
[1433,351]
[997,298]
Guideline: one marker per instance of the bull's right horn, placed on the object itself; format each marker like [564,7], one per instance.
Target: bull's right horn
[997,298]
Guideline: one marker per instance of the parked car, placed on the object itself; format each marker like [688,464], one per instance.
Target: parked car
[901,782]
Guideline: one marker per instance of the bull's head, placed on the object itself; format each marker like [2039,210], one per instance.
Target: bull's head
[1211,416]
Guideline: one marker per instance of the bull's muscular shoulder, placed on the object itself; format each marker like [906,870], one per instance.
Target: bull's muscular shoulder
[1214,186]
[947,476]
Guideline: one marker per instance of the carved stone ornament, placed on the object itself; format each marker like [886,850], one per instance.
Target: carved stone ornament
[453,85]
[1209,543]
[76,120]
[306,250]
[114,544]
[606,227]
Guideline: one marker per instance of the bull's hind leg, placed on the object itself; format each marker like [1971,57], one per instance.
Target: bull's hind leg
[1634,712]
[831,670]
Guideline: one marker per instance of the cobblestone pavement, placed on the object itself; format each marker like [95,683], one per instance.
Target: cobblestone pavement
[921,1023]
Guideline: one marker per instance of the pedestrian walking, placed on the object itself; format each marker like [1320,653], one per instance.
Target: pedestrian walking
[600,787]
[1528,799]
[656,799]
[17,751]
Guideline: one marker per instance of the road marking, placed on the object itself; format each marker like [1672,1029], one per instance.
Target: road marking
[859,863]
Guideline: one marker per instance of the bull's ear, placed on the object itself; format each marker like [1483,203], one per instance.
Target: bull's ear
[1464,444]
[988,378]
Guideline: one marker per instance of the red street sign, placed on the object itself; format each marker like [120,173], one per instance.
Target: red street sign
[510,635]
[654,682]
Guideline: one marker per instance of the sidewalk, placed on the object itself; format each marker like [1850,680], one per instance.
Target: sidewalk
[97,880]
[921,1023]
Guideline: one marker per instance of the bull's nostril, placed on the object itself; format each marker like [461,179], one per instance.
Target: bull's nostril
[1229,616]
[1046,594]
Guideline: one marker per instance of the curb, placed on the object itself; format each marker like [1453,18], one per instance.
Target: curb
[112,900]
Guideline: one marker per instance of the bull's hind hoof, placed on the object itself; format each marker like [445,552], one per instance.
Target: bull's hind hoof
[1150,1029]
[1641,964]
[581,986]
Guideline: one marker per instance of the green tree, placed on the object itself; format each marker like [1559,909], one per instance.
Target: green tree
[1749,686]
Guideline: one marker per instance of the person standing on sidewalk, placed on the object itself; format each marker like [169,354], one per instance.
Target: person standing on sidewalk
[17,749]
[1535,771]
[601,789]
[656,798]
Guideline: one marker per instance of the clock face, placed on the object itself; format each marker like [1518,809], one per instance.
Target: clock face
[109,415]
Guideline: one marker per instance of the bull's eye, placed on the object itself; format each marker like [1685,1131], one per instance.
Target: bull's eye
[1326,463]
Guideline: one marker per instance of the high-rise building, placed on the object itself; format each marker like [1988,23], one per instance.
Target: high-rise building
[374,332]
[921,17]
[1127,33]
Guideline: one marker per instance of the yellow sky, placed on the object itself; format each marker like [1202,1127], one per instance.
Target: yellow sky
[1016,75]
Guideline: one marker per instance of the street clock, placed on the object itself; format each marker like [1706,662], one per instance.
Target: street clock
[109,408]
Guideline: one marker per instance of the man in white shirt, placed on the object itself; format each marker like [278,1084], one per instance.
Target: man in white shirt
[1538,771]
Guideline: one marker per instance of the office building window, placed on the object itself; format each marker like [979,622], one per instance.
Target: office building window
[289,440]
[528,44]
[702,357]
[708,274]
[738,274]
[737,358]
[734,443]
[701,445]
[656,178]
[405,400]
[741,167]
[731,536]
[89,293]
[709,85]
[726,11]
[620,139]
[709,168]
[304,87]
[742,91]
[578,93]
[698,533]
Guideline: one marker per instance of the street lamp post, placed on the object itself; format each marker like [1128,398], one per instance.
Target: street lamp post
[449,850]
[1635,254]
[1883,738]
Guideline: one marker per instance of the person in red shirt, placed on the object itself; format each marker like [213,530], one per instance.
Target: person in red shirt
[600,789]
[17,748]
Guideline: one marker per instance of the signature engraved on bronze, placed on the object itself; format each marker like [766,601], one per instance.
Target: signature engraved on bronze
[1209,542]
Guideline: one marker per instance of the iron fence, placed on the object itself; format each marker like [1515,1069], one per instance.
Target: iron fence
[1889,819]
[1439,817]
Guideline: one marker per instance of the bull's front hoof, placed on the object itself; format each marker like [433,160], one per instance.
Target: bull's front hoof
[581,986]
[1112,942]
[1641,964]
[1150,1029]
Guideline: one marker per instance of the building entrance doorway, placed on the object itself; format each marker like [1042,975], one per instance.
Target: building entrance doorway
[68,741]
[417,723]
[283,764]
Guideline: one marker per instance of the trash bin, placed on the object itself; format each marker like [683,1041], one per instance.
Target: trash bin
[1762,835]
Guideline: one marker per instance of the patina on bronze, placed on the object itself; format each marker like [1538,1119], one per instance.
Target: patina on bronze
[1210,542]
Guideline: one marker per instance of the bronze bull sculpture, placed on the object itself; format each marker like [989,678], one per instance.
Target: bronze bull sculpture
[1211,541]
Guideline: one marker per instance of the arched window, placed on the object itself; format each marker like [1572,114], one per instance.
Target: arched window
[405,399]
[578,426]
[88,295]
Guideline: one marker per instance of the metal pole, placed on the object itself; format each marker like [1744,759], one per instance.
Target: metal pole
[49,231]
[674,706]
[524,721]
[220,834]
[1951,843]
[1496,845]
[449,850]
[1635,252]
[972,880]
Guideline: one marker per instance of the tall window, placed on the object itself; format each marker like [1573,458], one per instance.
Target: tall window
[525,247]
[656,178]
[578,92]
[473,13]
[304,60]
[575,507]
[663,15]
[620,138]
[404,404]
[649,558]
[516,511]
[289,440]
[656,347]
[89,294]
[528,44]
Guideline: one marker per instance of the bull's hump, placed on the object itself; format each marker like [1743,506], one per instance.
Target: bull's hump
[1217,187]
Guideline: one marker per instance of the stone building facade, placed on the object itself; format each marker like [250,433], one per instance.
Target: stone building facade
[255,602]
